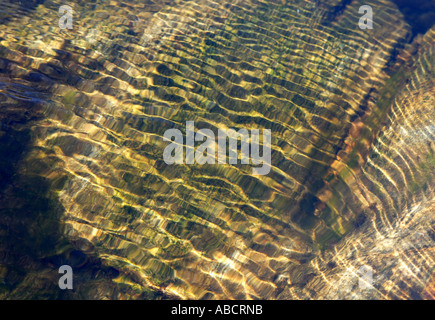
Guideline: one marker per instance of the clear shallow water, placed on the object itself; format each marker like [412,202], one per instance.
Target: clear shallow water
[83,177]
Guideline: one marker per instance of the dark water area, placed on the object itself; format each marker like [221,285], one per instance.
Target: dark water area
[420,14]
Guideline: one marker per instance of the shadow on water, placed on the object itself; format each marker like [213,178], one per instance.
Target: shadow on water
[419,14]
[29,227]
[32,242]
[18,7]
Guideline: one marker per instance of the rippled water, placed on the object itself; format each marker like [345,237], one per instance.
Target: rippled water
[83,181]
